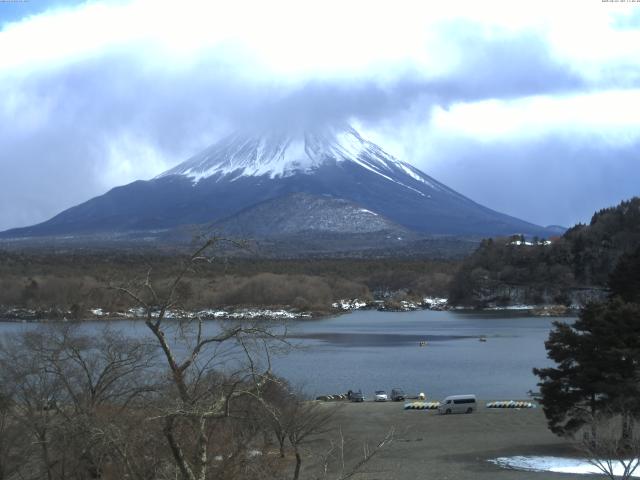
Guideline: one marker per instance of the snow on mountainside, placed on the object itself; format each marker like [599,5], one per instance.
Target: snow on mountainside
[244,171]
[285,154]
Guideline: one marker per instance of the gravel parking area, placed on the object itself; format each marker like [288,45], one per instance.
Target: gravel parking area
[431,446]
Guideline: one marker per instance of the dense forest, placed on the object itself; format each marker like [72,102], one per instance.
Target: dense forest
[567,270]
[571,269]
[74,283]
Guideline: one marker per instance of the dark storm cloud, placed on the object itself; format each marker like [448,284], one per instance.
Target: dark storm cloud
[545,181]
[62,156]
[506,67]
[503,67]
[60,152]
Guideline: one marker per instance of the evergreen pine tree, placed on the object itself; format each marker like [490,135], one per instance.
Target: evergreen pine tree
[598,366]
[624,281]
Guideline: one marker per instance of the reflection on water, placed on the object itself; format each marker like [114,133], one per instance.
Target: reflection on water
[372,350]
[375,339]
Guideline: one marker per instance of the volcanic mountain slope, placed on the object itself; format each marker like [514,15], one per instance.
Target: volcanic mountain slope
[242,171]
[304,213]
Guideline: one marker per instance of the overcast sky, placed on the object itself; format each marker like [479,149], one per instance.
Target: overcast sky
[530,108]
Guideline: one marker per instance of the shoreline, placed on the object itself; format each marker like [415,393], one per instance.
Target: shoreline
[22,315]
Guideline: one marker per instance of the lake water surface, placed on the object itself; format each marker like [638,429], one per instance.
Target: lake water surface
[373,350]
[380,350]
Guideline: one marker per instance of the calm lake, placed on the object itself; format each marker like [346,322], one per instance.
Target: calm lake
[373,350]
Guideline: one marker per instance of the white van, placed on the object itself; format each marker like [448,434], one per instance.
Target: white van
[457,404]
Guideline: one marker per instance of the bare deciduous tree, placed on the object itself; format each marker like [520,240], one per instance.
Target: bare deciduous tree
[189,399]
[336,452]
[611,443]
[307,420]
[292,419]
[205,388]
[33,392]
[65,388]
[13,448]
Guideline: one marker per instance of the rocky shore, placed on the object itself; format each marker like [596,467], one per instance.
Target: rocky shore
[247,313]
[13,313]
[437,303]
[53,314]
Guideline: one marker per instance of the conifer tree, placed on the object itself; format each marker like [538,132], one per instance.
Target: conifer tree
[624,281]
[598,366]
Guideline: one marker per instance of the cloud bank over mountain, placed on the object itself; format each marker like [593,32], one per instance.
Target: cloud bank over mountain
[525,110]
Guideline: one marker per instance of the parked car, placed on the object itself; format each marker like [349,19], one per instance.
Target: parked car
[357,396]
[381,396]
[458,404]
[397,395]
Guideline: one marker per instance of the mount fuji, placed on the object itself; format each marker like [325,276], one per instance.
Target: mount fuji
[327,179]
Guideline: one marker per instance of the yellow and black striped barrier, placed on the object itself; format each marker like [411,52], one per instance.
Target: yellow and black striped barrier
[510,404]
[421,405]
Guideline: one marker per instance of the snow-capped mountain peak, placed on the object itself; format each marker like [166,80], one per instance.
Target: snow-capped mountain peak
[283,154]
[326,179]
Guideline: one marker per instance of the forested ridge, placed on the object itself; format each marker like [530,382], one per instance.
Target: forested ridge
[570,269]
[80,281]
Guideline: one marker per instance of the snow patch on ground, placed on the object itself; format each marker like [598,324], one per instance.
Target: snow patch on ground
[435,303]
[530,244]
[413,173]
[346,304]
[554,464]
[237,314]
[364,210]
[512,307]
[407,306]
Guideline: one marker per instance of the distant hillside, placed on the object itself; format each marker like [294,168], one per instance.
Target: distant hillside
[300,212]
[570,269]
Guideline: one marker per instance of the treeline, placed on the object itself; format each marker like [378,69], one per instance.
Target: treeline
[181,399]
[77,282]
[570,269]
[77,404]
